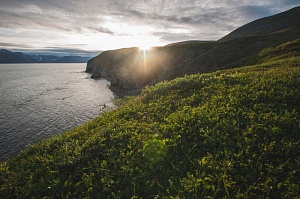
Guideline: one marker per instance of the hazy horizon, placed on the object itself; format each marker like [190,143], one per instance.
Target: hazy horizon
[86,28]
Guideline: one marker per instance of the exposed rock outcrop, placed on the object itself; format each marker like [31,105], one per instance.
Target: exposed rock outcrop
[135,68]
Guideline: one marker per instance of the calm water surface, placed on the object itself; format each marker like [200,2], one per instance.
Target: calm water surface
[41,100]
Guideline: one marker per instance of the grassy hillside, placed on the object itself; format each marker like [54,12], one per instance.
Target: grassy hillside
[243,51]
[229,134]
[283,21]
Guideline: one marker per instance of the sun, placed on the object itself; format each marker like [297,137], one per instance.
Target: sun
[145,46]
[146,42]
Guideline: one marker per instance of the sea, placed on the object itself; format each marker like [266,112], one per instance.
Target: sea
[41,100]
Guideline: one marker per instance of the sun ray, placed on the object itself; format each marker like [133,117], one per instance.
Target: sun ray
[145,59]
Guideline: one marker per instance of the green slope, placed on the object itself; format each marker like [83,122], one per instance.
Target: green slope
[229,134]
[283,21]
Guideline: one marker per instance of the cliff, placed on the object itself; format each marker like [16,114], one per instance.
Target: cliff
[132,68]
[135,68]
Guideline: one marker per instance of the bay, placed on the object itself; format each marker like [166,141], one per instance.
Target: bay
[41,100]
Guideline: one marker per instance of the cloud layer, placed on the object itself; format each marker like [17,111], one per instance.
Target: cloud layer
[107,24]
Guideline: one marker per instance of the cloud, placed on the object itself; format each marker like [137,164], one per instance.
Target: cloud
[252,12]
[291,2]
[59,51]
[14,45]
[42,23]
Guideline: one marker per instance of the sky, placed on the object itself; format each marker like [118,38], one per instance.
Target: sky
[87,27]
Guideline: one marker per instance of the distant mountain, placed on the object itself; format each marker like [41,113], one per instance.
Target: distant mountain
[130,68]
[45,58]
[7,56]
[73,59]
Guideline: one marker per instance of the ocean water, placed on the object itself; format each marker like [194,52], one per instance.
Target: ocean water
[41,100]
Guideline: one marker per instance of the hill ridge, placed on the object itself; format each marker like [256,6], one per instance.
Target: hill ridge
[123,67]
[280,21]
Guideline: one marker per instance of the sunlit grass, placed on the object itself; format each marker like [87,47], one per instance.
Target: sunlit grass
[228,134]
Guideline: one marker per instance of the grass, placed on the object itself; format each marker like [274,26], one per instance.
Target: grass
[229,134]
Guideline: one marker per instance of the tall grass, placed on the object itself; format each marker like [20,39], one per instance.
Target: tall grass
[228,134]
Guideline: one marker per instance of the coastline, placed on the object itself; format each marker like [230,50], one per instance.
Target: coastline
[122,92]
[118,91]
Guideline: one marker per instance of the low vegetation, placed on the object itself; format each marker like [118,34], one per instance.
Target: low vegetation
[228,134]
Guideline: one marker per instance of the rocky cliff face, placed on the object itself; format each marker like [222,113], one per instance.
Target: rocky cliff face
[132,68]
[135,68]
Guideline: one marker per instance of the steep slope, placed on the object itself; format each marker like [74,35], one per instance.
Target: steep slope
[131,68]
[241,51]
[283,21]
[228,134]
[135,68]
